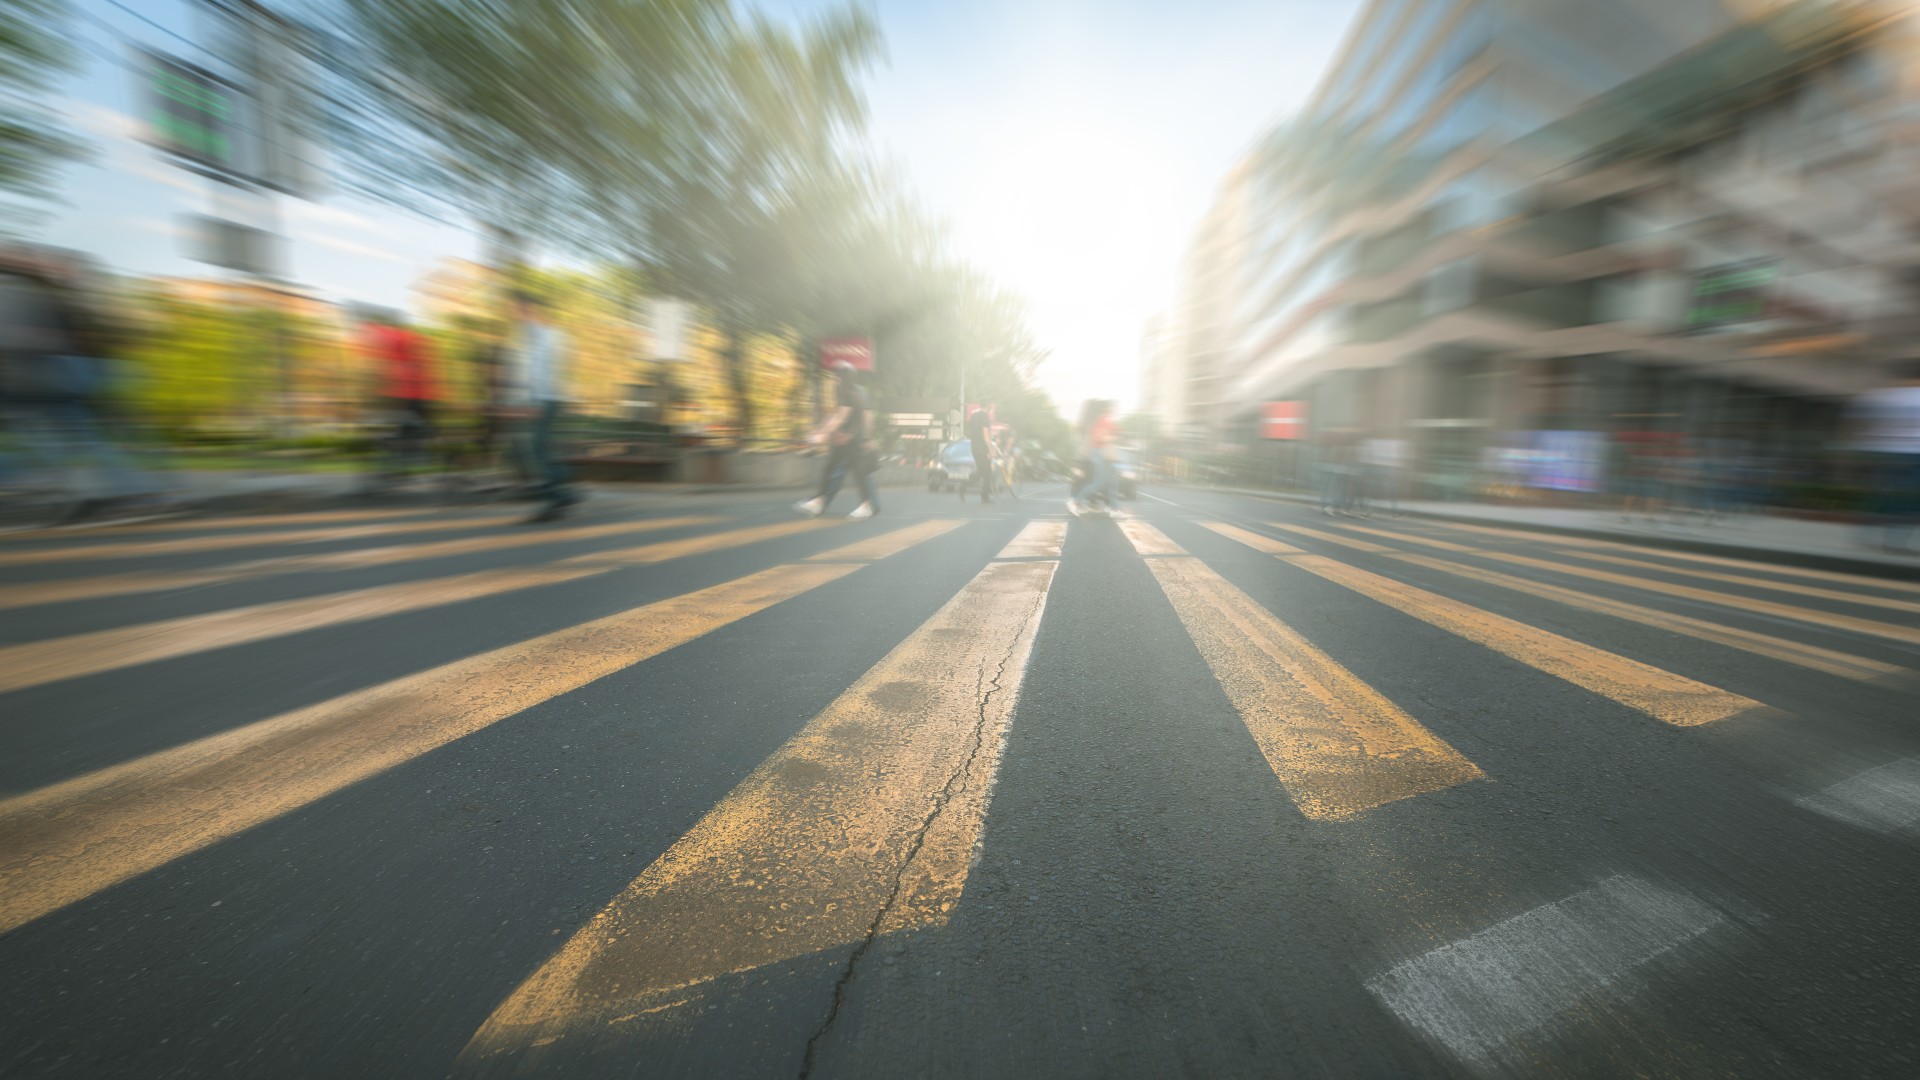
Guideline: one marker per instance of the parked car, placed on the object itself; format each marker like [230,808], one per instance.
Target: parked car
[952,468]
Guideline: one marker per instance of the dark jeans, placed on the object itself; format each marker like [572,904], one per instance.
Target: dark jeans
[841,459]
[983,468]
[550,474]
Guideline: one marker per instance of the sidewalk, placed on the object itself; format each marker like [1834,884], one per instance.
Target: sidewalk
[1820,545]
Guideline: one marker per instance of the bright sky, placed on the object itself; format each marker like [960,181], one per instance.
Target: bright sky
[1071,146]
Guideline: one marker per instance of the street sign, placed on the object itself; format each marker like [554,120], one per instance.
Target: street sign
[1283,420]
[193,114]
[231,245]
[857,351]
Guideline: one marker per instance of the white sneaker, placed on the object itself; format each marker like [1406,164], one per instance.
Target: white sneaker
[864,510]
[1074,508]
[810,507]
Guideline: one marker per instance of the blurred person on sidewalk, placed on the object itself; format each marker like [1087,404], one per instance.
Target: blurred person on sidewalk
[55,379]
[532,393]
[847,433]
[1888,425]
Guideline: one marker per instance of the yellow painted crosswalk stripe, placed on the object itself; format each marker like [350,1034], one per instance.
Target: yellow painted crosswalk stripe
[1807,573]
[1147,540]
[1336,744]
[884,544]
[38,662]
[1832,620]
[1798,653]
[1841,596]
[94,588]
[864,823]
[65,842]
[1037,540]
[1663,695]
[140,549]
[211,524]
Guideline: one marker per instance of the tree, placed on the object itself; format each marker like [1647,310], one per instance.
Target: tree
[33,51]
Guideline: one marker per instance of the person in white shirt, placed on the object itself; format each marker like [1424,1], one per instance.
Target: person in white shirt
[532,392]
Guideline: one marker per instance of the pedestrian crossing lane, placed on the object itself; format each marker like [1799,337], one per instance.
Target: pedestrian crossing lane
[1336,744]
[863,824]
[63,843]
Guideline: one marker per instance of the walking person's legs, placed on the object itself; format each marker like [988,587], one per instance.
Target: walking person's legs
[549,471]
[832,474]
[983,468]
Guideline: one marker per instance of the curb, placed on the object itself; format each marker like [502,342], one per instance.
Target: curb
[1807,560]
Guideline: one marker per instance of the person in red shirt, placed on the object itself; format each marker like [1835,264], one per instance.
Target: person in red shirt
[408,392]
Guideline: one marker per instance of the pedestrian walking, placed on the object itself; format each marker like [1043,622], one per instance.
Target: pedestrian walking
[1888,422]
[980,436]
[55,377]
[533,390]
[408,392]
[847,434]
[1098,433]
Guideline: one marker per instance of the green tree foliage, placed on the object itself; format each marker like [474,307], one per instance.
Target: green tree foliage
[32,52]
[711,152]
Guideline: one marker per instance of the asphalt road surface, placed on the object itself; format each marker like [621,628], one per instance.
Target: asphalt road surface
[688,786]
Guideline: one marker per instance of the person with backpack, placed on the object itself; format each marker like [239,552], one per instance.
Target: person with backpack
[847,434]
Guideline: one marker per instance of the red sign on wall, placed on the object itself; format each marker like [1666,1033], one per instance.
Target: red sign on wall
[1283,420]
[857,351]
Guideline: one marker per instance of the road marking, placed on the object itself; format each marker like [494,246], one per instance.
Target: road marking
[701,545]
[260,521]
[1750,581]
[1838,577]
[1479,995]
[93,588]
[1337,745]
[865,823]
[1663,695]
[1853,624]
[140,549]
[887,543]
[76,655]
[1845,665]
[1147,540]
[1158,499]
[63,843]
[1039,539]
[1886,799]
[1254,540]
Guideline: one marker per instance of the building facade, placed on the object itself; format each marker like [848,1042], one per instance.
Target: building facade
[1546,224]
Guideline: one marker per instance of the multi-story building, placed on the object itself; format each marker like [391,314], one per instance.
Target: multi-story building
[1502,218]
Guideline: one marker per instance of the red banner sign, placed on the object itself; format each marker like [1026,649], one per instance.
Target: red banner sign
[1283,420]
[857,351]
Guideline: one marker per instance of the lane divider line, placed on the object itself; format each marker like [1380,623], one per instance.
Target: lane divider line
[65,842]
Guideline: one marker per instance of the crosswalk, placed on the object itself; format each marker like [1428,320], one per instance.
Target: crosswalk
[867,821]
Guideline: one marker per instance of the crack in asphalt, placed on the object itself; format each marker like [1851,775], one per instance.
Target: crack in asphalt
[940,804]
